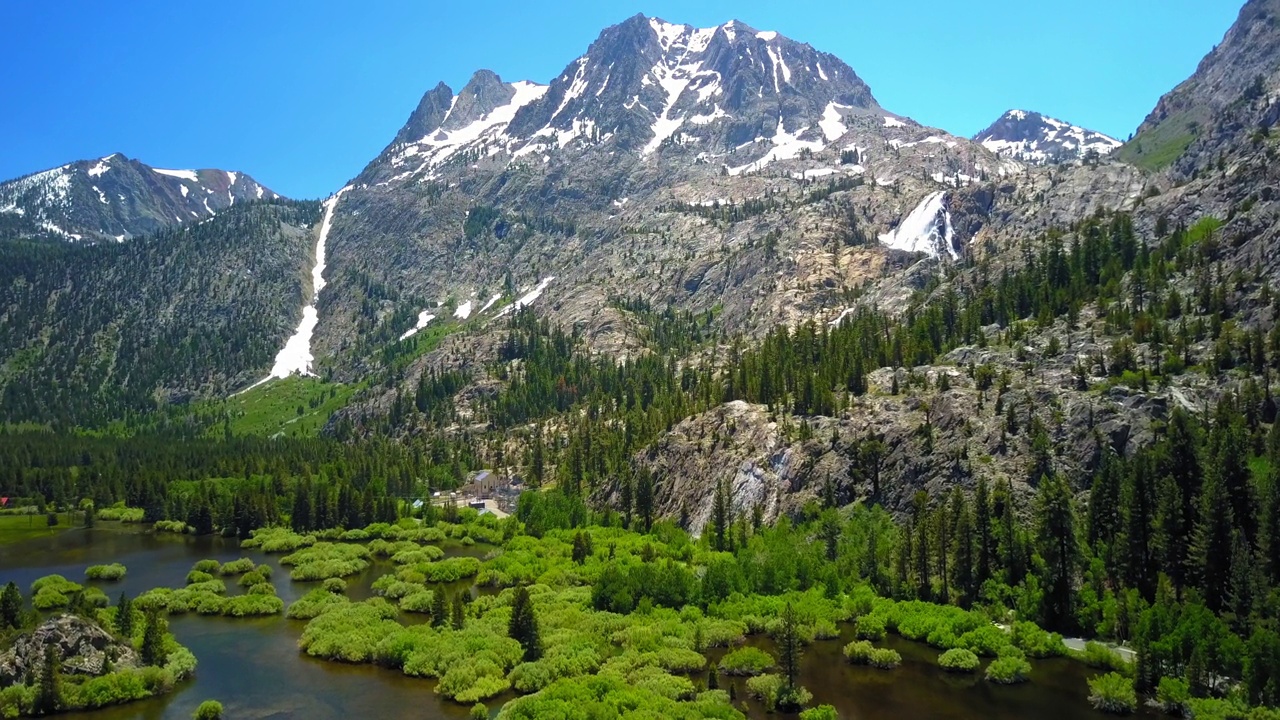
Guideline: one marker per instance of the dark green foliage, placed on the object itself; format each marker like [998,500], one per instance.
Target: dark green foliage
[10,606]
[789,647]
[49,694]
[458,613]
[124,616]
[439,608]
[153,650]
[523,627]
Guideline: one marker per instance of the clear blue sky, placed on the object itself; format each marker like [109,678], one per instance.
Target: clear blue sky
[302,94]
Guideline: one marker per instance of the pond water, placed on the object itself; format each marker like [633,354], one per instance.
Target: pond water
[253,666]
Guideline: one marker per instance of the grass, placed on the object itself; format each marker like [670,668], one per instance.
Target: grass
[1157,148]
[16,528]
[294,407]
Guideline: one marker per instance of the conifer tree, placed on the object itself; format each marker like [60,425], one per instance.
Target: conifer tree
[48,698]
[124,616]
[458,613]
[153,651]
[523,627]
[439,608]
[1056,535]
[10,606]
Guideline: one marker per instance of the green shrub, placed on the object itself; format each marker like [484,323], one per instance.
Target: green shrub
[327,560]
[349,632]
[121,514]
[1172,695]
[335,585]
[93,597]
[765,688]
[884,659]
[1113,693]
[822,712]
[314,603]
[195,577]
[55,582]
[479,712]
[253,577]
[177,527]
[1035,642]
[253,604]
[208,710]
[416,555]
[746,661]
[114,571]
[1008,669]
[49,599]
[418,601]
[958,660]
[985,641]
[207,566]
[277,540]
[450,570]
[236,567]
[859,652]
[870,627]
[1097,655]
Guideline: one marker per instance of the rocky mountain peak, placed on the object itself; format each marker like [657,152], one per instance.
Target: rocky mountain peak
[116,197]
[1039,139]
[644,87]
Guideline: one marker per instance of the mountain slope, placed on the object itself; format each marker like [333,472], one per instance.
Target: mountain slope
[1038,139]
[89,332]
[1231,94]
[115,198]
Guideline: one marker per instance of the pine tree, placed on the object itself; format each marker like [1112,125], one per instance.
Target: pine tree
[10,606]
[982,528]
[153,651]
[1056,535]
[962,560]
[439,608]
[719,517]
[789,652]
[523,627]
[1212,543]
[124,616]
[458,613]
[644,500]
[49,695]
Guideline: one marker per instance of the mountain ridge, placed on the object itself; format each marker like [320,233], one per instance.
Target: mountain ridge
[115,197]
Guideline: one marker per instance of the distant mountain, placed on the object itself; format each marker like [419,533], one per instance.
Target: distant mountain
[115,198]
[1232,94]
[1038,139]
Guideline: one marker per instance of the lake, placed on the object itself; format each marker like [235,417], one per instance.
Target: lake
[253,666]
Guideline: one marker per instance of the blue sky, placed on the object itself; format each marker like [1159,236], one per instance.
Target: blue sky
[302,95]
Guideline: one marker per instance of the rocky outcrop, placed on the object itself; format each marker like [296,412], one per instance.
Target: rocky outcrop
[82,646]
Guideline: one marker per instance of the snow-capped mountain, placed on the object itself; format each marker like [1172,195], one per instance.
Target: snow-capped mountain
[116,197]
[644,86]
[1038,139]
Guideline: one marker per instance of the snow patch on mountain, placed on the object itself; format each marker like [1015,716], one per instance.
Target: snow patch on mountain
[927,229]
[786,146]
[528,298]
[189,175]
[424,319]
[464,311]
[296,358]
